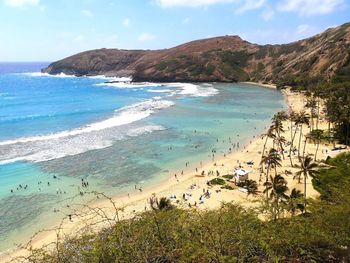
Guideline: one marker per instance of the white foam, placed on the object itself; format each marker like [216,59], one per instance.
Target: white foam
[95,136]
[193,90]
[188,89]
[159,90]
[122,116]
[62,75]
[40,74]
[130,85]
[40,151]
[117,79]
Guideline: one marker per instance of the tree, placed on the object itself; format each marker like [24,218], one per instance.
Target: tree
[311,104]
[160,204]
[252,187]
[295,201]
[316,135]
[277,126]
[272,160]
[302,119]
[281,141]
[267,135]
[277,186]
[294,117]
[306,168]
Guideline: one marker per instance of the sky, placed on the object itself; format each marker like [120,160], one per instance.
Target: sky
[48,30]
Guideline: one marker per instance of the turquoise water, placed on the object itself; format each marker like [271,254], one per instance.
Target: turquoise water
[60,130]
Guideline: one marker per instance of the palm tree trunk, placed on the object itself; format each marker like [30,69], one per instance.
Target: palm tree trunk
[318,145]
[281,147]
[318,113]
[267,179]
[301,133]
[304,193]
[263,152]
[291,147]
[312,121]
[304,147]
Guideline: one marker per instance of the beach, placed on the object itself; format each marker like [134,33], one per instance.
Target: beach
[186,188]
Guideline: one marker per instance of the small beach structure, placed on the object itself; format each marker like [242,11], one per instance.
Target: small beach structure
[241,175]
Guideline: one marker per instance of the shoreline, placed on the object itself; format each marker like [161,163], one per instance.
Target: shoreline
[260,84]
[138,202]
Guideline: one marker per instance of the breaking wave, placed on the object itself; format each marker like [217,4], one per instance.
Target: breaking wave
[96,135]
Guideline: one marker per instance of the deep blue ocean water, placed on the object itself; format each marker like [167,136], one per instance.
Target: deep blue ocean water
[113,135]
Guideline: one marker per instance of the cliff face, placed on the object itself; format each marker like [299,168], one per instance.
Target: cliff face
[225,59]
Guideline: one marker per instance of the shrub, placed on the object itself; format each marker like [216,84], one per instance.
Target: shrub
[228,187]
[228,176]
[217,181]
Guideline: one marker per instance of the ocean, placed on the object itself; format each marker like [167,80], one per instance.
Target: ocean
[57,130]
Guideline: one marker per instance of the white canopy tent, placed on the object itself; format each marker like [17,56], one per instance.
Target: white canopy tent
[241,175]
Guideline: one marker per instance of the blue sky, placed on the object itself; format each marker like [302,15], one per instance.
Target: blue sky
[47,30]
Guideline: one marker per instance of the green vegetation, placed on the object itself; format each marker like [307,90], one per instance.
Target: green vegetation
[168,65]
[209,70]
[237,58]
[228,176]
[217,181]
[227,187]
[229,234]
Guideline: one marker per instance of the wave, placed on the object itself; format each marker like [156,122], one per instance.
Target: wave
[62,75]
[130,84]
[94,136]
[41,151]
[125,115]
[159,90]
[40,74]
[117,79]
[189,89]
[195,90]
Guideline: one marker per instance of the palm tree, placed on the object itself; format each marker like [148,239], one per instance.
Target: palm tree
[252,187]
[272,160]
[311,104]
[162,204]
[306,168]
[317,136]
[303,119]
[294,117]
[277,126]
[278,188]
[295,201]
[268,134]
[280,141]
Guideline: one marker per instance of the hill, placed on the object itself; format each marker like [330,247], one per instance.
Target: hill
[225,59]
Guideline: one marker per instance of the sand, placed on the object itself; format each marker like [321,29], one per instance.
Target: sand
[138,201]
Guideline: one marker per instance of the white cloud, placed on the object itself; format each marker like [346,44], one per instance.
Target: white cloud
[310,7]
[22,3]
[267,14]
[302,29]
[250,5]
[144,37]
[190,3]
[87,13]
[126,22]
[305,30]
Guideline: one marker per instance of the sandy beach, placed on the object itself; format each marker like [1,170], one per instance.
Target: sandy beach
[188,187]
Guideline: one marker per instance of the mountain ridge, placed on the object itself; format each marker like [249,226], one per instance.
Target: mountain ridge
[224,59]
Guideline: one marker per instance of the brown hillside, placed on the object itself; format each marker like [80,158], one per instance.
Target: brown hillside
[226,59]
